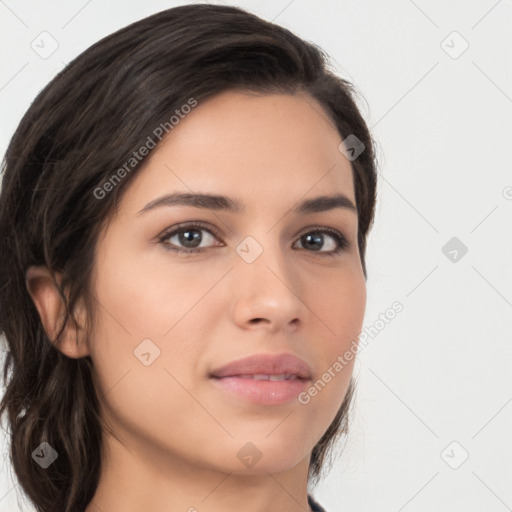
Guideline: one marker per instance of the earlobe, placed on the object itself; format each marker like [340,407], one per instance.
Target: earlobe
[51,309]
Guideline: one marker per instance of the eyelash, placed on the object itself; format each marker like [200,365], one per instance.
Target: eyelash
[341,240]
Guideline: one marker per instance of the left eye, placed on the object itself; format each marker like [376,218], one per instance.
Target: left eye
[315,238]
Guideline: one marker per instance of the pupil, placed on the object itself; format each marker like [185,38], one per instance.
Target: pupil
[312,239]
[189,236]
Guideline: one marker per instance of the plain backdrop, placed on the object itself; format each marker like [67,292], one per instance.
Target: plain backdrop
[432,422]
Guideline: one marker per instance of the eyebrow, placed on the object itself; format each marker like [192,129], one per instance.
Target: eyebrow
[219,202]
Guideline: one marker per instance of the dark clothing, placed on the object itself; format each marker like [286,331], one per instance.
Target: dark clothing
[315,507]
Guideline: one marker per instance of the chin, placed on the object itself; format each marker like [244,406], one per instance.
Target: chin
[274,464]
[266,455]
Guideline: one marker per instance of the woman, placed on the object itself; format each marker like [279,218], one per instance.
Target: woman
[183,218]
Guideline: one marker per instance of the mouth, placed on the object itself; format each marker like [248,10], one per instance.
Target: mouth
[262,389]
[265,379]
[274,378]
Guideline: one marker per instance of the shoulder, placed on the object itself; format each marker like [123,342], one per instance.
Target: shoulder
[315,507]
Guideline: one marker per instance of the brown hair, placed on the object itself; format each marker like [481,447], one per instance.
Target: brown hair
[82,127]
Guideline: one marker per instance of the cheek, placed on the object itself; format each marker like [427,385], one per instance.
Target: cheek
[145,311]
[340,304]
[146,293]
[148,314]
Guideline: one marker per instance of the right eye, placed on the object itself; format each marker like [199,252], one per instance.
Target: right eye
[189,236]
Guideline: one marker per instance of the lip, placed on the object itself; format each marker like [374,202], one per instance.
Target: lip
[269,364]
[229,378]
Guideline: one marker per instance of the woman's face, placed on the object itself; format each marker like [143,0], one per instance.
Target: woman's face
[267,280]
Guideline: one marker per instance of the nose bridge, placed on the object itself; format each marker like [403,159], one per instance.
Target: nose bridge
[268,287]
[263,256]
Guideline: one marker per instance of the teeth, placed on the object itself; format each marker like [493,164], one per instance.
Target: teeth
[277,377]
[282,376]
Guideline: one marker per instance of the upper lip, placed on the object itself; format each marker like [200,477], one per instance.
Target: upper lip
[265,364]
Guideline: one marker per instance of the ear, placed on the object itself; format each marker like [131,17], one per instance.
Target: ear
[51,308]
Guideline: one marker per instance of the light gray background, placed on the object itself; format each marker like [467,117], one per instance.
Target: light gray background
[441,370]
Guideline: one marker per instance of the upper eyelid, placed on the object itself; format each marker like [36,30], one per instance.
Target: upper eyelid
[166,233]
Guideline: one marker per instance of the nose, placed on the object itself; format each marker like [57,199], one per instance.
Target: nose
[267,294]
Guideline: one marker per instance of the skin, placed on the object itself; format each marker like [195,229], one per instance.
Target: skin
[178,434]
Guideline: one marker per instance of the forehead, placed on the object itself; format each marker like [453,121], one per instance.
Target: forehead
[273,147]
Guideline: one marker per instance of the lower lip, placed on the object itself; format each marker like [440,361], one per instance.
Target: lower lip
[265,392]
